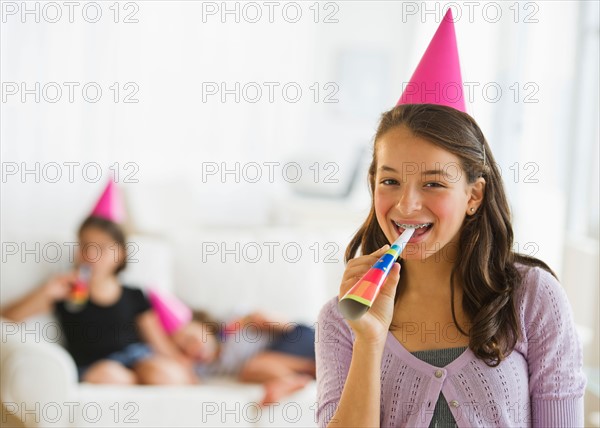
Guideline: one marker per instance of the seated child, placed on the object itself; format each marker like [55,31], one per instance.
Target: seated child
[254,349]
[110,329]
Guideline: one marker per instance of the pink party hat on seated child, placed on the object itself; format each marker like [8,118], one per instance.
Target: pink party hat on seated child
[110,205]
[437,79]
[172,313]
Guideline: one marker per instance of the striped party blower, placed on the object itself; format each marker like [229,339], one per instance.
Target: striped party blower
[357,301]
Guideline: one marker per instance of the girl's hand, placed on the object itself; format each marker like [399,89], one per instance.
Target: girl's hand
[372,327]
[58,287]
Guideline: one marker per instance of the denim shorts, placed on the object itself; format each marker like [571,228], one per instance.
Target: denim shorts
[298,341]
[128,356]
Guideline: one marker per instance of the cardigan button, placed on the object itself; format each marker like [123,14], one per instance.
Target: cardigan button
[454,403]
[439,373]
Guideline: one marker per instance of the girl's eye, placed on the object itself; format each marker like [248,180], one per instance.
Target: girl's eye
[433,185]
[389,182]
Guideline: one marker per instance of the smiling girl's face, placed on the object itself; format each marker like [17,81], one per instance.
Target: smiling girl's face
[417,182]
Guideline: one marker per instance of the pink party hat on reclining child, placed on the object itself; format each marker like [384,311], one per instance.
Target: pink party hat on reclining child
[437,78]
[172,313]
[110,205]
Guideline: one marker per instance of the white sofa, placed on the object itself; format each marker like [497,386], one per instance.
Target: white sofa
[39,388]
[38,383]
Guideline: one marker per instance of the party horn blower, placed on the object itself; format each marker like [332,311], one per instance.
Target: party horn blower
[357,301]
[80,291]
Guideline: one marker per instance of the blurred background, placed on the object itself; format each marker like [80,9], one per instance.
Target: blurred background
[251,124]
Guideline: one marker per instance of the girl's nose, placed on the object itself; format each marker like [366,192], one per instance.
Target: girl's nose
[409,200]
[89,254]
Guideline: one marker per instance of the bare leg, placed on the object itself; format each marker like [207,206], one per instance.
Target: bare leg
[279,388]
[108,371]
[163,371]
[280,373]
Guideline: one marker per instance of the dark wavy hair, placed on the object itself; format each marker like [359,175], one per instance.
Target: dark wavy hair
[114,230]
[485,260]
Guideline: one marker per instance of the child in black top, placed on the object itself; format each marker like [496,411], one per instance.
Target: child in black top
[114,335]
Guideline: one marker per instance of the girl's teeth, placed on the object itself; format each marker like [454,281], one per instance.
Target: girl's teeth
[404,226]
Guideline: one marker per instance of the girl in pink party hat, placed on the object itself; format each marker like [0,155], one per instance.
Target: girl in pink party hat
[111,331]
[468,333]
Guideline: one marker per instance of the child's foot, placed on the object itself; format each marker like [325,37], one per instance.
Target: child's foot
[278,388]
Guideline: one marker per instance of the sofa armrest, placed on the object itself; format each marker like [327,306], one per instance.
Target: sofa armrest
[38,379]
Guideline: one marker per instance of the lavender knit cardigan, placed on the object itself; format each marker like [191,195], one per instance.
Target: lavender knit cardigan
[540,384]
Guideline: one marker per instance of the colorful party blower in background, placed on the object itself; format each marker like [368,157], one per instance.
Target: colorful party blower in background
[80,290]
[357,301]
[172,313]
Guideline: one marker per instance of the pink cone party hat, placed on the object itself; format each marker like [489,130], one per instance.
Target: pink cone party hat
[437,79]
[172,313]
[110,205]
